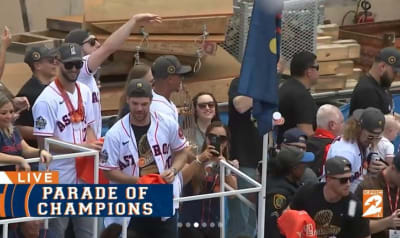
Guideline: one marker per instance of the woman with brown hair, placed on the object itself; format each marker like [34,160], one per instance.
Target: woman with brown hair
[138,71]
[205,111]
[201,218]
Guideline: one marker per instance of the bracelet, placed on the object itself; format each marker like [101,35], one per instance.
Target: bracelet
[198,161]
[174,171]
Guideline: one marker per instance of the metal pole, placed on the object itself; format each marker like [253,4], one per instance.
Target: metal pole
[5,230]
[261,195]
[222,201]
[125,228]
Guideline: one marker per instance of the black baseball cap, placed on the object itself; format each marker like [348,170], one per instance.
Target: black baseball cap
[167,65]
[291,156]
[70,52]
[139,88]
[77,36]
[36,53]
[294,135]
[337,165]
[370,118]
[390,56]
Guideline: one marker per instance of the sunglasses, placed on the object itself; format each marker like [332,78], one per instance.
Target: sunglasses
[343,180]
[370,138]
[210,105]
[316,67]
[221,138]
[76,64]
[91,41]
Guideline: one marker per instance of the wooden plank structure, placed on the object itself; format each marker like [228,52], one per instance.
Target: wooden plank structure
[189,25]
[372,37]
[66,23]
[121,10]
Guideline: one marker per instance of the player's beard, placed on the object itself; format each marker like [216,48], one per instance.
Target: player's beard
[69,76]
[386,81]
[140,117]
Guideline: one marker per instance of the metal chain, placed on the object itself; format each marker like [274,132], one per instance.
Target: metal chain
[200,51]
[143,44]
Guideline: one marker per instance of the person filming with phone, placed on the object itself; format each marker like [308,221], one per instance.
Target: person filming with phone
[201,218]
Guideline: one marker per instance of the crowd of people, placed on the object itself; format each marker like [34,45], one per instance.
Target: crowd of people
[320,164]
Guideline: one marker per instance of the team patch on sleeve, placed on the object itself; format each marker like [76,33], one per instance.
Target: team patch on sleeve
[40,123]
[103,158]
[279,201]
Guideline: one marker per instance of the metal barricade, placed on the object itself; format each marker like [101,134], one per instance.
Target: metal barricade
[83,151]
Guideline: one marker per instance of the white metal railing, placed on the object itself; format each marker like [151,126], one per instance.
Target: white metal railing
[222,195]
[83,151]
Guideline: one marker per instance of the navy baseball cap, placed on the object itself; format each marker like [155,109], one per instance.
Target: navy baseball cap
[291,156]
[390,56]
[294,135]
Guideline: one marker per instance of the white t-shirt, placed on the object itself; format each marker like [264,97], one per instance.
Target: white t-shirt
[163,105]
[51,118]
[164,137]
[350,151]
[385,148]
[87,78]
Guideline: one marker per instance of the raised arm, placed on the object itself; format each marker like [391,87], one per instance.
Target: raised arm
[5,43]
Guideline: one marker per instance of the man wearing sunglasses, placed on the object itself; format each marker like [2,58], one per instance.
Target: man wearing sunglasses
[372,90]
[388,181]
[296,104]
[362,133]
[64,111]
[95,54]
[335,210]
[43,64]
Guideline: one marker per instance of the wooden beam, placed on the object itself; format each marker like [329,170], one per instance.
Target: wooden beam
[329,30]
[323,40]
[338,52]
[65,24]
[192,25]
[114,10]
[336,67]
[20,42]
[331,82]
[167,44]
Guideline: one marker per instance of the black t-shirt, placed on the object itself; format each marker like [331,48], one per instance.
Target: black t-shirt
[296,105]
[246,143]
[368,93]
[331,219]
[31,90]
[280,193]
[147,163]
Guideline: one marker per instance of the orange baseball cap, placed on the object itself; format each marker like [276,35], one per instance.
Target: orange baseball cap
[297,224]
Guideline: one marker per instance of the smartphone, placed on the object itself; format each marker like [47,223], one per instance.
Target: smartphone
[214,141]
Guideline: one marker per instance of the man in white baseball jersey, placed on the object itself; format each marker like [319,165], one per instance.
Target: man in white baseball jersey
[96,54]
[168,73]
[141,143]
[64,111]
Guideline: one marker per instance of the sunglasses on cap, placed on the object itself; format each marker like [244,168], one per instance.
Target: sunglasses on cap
[204,105]
[221,138]
[316,67]
[76,64]
[91,41]
[343,180]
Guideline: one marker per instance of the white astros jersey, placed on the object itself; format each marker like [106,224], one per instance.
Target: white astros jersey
[87,78]
[51,117]
[120,150]
[161,104]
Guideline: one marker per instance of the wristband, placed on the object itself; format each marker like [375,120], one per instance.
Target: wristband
[40,151]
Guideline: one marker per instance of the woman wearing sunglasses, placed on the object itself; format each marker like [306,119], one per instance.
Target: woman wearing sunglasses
[205,111]
[202,218]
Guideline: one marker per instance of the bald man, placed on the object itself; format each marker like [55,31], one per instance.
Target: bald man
[329,126]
